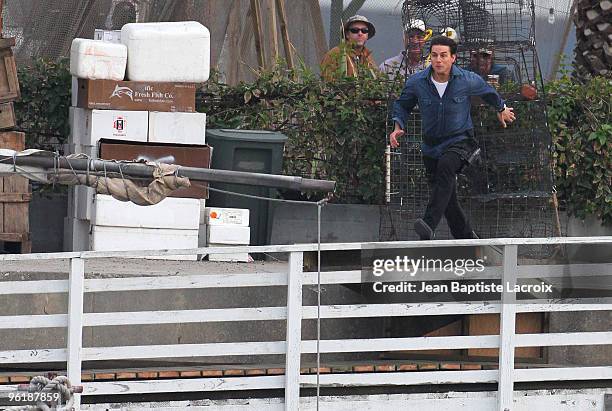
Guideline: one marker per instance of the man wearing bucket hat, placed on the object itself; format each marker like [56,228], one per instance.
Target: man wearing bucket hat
[347,59]
[410,60]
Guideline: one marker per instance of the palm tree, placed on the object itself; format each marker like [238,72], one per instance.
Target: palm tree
[593,19]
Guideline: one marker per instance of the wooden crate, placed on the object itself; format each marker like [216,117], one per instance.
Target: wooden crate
[14,199]
[7,115]
[9,84]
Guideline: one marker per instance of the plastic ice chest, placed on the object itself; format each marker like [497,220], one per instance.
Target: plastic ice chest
[167,51]
[97,60]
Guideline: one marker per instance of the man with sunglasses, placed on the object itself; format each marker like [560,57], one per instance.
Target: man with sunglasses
[410,60]
[443,93]
[352,57]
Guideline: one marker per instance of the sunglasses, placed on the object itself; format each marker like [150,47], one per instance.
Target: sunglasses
[355,31]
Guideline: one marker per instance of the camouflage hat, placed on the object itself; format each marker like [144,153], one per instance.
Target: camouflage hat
[362,19]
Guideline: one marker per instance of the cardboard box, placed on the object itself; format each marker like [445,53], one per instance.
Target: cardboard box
[135,239]
[108,36]
[182,154]
[178,128]
[226,216]
[228,234]
[87,127]
[135,95]
[170,213]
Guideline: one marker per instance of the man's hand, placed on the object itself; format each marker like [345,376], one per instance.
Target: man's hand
[395,134]
[506,117]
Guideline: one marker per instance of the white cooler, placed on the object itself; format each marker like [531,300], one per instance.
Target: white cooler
[167,51]
[97,60]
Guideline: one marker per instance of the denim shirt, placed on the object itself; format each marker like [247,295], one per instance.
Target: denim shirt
[444,120]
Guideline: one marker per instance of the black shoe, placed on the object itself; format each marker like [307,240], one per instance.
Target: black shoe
[423,230]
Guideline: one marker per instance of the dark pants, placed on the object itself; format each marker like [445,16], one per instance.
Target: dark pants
[442,176]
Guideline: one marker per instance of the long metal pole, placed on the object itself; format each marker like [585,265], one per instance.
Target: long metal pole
[138,170]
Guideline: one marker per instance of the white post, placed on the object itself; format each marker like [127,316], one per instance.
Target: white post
[75,324]
[505,388]
[294,331]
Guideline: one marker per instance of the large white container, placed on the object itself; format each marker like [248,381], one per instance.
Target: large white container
[167,51]
[87,126]
[130,239]
[170,213]
[226,216]
[179,128]
[97,59]
[228,234]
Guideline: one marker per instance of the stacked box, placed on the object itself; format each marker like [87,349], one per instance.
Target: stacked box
[226,227]
[154,104]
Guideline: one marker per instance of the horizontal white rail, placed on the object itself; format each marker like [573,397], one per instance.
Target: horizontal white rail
[315,247]
[309,313]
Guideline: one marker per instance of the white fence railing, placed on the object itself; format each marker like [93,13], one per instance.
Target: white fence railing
[294,312]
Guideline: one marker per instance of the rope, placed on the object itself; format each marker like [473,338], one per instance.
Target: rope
[319,205]
[58,385]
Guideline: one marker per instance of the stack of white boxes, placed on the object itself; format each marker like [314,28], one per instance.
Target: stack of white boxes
[158,53]
[227,227]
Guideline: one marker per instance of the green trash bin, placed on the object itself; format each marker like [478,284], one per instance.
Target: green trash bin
[254,151]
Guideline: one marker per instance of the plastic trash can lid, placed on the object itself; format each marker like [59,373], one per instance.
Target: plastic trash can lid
[262,136]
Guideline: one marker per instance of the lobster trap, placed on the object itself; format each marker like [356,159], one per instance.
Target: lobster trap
[509,192]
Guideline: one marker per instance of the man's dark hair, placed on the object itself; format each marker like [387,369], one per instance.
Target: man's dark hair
[444,41]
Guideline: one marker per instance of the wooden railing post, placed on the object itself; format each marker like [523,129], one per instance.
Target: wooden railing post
[294,331]
[505,388]
[75,323]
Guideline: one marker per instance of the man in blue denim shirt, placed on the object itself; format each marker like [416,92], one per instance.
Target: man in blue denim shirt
[443,93]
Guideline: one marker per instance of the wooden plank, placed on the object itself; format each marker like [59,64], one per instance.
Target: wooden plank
[15,197]
[188,281]
[400,310]
[564,270]
[563,339]
[507,336]
[75,323]
[318,29]
[400,344]
[33,321]
[7,115]
[185,316]
[563,374]
[15,237]
[183,350]
[33,287]
[294,331]
[9,85]
[257,27]
[324,247]
[33,356]
[282,15]
[401,378]
[184,385]
[272,37]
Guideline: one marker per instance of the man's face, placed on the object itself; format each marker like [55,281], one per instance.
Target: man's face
[441,59]
[481,62]
[414,41]
[358,33]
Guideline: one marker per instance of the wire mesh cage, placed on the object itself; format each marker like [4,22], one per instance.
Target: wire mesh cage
[509,192]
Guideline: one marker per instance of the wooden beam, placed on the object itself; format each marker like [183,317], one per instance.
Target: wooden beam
[272,34]
[318,29]
[282,15]
[256,18]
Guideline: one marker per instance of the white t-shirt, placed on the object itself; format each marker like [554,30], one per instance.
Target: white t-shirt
[441,87]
